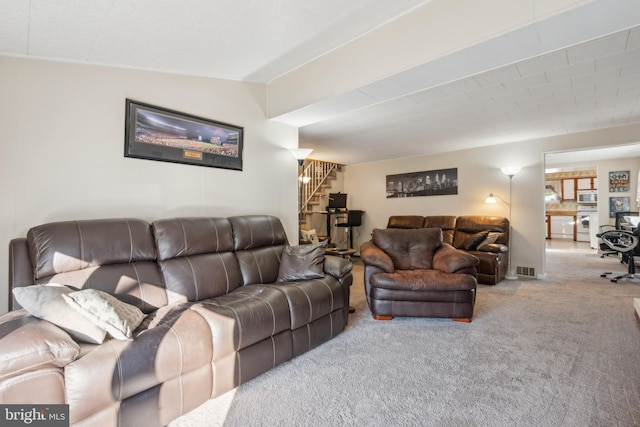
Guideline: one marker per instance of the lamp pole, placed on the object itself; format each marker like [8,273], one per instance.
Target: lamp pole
[510,172]
[300,154]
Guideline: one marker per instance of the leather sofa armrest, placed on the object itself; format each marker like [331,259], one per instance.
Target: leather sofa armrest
[496,248]
[452,260]
[337,267]
[30,344]
[370,254]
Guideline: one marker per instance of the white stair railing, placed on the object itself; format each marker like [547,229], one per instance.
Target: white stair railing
[313,176]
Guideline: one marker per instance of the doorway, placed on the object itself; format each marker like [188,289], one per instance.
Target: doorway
[577,166]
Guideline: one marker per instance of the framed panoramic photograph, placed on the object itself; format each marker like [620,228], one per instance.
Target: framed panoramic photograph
[427,183]
[156,133]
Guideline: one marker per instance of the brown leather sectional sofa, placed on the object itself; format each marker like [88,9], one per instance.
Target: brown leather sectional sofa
[465,233]
[215,315]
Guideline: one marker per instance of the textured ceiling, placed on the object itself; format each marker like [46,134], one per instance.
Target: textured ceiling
[592,85]
[587,78]
[247,40]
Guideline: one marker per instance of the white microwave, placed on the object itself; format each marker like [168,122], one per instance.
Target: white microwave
[588,196]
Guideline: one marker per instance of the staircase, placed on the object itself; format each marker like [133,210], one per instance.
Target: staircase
[315,179]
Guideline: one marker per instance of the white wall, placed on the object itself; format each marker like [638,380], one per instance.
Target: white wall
[478,175]
[62,150]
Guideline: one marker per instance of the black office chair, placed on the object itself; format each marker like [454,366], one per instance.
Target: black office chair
[620,224]
[625,244]
[353,219]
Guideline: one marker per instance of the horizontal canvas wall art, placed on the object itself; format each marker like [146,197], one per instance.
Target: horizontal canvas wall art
[427,183]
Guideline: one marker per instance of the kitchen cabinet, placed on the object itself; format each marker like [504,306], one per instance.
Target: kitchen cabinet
[568,189]
[561,226]
[586,183]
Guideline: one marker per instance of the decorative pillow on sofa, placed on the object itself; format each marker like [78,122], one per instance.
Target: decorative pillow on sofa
[46,302]
[491,238]
[473,241]
[302,262]
[119,319]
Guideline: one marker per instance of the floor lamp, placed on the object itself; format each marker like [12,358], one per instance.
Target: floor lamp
[300,154]
[510,171]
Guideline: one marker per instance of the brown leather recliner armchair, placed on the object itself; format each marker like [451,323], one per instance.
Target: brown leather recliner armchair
[412,273]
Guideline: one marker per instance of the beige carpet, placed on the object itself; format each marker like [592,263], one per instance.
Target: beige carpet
[564,351]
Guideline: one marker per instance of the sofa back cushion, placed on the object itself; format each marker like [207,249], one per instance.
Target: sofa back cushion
[112,255]
[405,221]
[409,249]
[447,223]
[258,241]
[196,257]
[470,225]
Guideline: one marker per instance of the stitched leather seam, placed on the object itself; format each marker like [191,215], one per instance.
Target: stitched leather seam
[184,236]
[195,281]
[135,270]
[273,348]
[81,243]
[30,367]
[12,381]
[215,227]
[119,368]
[130,241]
[226,272]
[308,301]
[238,324]
[273,313]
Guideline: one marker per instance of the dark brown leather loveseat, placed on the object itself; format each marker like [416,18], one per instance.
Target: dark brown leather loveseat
[215,314]
[468,233]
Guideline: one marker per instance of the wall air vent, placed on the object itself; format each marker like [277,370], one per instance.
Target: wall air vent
[526,271]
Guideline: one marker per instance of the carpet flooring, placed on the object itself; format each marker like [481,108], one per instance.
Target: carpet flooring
[564,351]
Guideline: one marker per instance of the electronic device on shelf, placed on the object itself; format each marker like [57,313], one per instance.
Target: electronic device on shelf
[337,202]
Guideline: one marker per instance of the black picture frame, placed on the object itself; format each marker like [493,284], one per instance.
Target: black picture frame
[156,133]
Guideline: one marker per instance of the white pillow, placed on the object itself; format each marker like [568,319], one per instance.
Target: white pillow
[119,319]
[46,302]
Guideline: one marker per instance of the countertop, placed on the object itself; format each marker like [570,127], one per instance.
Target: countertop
[561,213]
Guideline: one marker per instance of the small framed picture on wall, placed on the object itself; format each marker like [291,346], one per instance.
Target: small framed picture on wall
[618,181]
[618,204]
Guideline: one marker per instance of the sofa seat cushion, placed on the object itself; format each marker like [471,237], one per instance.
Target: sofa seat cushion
[170,343]
[423,280]
[312,299]
[244,317]
[397,298]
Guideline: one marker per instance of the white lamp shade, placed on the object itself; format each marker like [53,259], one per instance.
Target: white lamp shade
[510,170]
[491,199]
[301,153]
